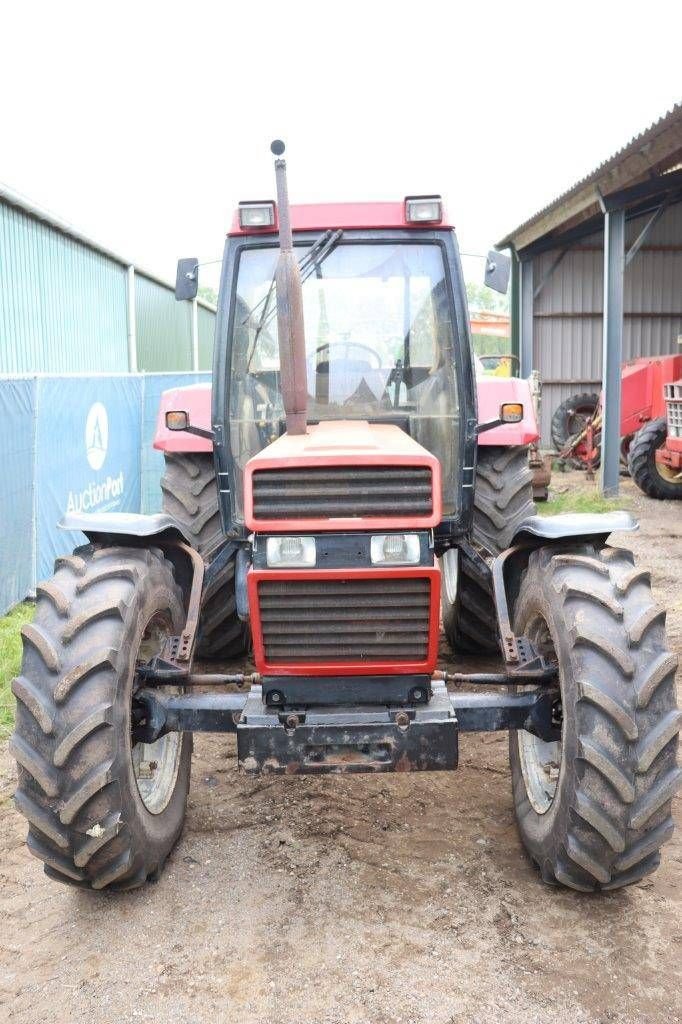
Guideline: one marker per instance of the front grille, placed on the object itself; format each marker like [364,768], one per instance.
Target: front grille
[345,620]
[673,400]
[320,492]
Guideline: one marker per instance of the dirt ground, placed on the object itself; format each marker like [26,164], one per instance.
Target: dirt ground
[382,899]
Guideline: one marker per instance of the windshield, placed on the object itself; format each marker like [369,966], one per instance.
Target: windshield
[379,346]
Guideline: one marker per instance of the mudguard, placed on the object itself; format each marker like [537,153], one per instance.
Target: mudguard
[195,400]
[574,524]
[491,393]
[124,524]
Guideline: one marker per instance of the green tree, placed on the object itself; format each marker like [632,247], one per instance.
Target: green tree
[481,297]
[208,294]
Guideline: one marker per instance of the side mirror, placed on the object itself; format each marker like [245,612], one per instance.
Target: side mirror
[497,271]
[187,279]
[178,419]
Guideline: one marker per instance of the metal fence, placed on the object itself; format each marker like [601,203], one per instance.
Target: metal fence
[78,443]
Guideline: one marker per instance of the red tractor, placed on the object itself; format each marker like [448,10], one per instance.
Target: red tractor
[576,426]
[655,454]
[352,487]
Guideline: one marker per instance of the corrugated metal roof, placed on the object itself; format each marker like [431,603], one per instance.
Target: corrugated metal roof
[15,199]
[672,119]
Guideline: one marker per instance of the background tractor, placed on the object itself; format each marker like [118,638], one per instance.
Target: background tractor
[576,423]
[353,486]
[655,452]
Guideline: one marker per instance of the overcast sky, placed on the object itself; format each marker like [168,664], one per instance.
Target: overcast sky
[143,124]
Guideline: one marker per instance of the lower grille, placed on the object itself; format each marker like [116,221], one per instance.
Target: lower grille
[345,620]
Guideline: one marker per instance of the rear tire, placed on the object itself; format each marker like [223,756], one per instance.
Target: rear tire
[92,821]
[190,495]
[600,814]
[503,499]
[642,464]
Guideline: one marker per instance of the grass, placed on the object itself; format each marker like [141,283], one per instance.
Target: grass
[10,660]
[572,501]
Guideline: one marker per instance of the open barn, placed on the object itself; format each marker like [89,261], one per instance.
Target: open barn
[597,277]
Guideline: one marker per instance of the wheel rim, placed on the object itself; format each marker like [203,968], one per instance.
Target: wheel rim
[541,761]
[156,765]
[577,420]
[671,476]
[450,569]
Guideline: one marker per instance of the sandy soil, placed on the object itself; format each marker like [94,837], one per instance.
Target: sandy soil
[334,901]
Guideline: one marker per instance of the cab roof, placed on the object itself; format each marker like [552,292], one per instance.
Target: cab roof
[320,216]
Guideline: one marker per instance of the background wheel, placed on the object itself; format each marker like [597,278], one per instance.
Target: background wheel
[655,480]
[503,498]
[102,812]
[569,419]
[190,495]
[594,810]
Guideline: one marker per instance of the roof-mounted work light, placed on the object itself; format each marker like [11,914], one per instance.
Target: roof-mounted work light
[423,209]
[257,214]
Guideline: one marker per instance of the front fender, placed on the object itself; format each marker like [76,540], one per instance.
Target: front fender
[492,393]
[125,524]
[195,400]
[574,525]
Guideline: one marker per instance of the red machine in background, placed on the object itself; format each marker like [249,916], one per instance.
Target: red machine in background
[655,453]
[576,426]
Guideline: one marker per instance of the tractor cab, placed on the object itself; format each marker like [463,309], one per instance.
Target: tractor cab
[386,338]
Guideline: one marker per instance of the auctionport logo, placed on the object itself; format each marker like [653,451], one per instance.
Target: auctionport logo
[104,495]
[97,435]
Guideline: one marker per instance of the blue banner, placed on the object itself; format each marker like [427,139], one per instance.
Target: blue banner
[80,444]
[88,449]
[17,535]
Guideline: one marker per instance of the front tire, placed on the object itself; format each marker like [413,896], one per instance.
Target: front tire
[190,495]
[651,478]
[96,817]
[503,499]
[594,811]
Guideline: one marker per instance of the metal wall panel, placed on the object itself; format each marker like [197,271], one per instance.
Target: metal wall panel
[206,321]
[164,328]
[567,333]
[63,306]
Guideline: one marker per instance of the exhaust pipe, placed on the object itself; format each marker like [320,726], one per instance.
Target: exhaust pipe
[290,329]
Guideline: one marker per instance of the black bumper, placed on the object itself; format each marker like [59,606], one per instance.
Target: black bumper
[364,738]
[346,738]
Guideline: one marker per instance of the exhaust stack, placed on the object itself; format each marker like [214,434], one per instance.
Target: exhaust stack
[290,329]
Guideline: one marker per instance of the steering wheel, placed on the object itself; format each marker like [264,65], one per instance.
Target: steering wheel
[347,345]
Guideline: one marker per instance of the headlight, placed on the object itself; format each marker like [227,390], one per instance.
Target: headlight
[290,552]
[257,215]
[395,549]
[423,209]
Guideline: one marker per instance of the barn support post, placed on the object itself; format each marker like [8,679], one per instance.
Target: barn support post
[612,350]
[515,306]
[526,318]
